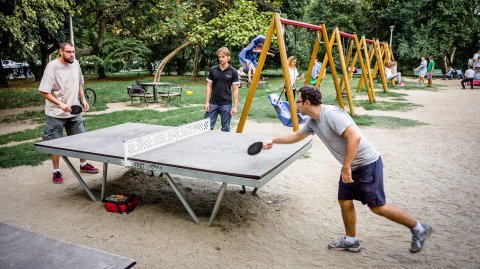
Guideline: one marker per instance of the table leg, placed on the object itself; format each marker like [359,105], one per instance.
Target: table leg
[217,204]
[104,181]
[182,199]
[77,175]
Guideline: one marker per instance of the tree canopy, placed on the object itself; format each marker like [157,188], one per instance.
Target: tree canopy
[117,33]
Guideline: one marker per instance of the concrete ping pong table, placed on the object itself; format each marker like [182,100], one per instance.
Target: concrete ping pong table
[191,150]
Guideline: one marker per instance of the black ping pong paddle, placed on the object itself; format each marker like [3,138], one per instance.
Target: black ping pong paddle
[255,148]
[76,109]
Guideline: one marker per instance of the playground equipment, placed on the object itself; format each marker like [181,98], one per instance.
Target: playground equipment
[275,27]
[283,111]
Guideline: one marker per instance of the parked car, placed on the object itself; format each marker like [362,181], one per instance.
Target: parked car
[9,64]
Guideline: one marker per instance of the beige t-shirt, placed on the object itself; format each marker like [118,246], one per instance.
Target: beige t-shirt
[63,81]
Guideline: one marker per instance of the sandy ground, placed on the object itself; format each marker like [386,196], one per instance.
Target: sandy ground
[431,172]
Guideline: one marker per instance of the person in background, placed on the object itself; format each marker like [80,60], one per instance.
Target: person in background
[222,86]
[476,61]
[390,75]
[315,72]
[469,76]
[61,87]
[294,76]
[422,69]
[361,176]
[430,68]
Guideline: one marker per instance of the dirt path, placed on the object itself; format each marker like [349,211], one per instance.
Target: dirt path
[431,171]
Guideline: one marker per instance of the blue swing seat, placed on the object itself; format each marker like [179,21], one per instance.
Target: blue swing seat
[283,111]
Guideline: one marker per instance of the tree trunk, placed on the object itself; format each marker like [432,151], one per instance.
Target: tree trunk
[445,62]
[101,71]
[3,77]
[36,71]
[102,30]
[167,58]
[195,64]
[452,55]
[44,54]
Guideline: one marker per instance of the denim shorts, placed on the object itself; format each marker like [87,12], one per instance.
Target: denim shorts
[54,127]
[367,186]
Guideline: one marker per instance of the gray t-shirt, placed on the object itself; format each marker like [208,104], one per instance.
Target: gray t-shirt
[330,127]
[63,81]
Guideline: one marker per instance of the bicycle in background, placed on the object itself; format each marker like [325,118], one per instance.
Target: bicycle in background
[90,96]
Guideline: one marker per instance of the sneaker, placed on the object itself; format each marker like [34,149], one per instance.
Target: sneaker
[417,85]
[342,244]
[401,84]
[419,239]
[88,168]
[57,177]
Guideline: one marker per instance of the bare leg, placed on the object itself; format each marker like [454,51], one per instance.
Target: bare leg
[349,216]
[240,71]
[56,161]
[251,69]
[394,214]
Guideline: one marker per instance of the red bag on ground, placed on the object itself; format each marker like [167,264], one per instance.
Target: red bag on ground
[121,203]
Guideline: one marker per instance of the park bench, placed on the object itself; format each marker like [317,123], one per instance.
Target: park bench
[172,91]
[138,92]
[437,73]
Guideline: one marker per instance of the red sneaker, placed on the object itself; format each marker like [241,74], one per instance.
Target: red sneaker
[57,177]
[88,168]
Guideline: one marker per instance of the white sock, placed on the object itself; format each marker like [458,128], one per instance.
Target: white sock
[350,240]
[56,170]
[418,228]
[83,163]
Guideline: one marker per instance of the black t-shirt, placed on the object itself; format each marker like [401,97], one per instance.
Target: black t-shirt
[222,81]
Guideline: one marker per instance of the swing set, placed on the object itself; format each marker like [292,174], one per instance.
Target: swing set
[365,50]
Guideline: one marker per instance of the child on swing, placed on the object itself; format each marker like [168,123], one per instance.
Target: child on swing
[248,56]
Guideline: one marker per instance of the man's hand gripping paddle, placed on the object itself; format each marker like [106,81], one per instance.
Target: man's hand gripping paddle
[255,148]
[76,109]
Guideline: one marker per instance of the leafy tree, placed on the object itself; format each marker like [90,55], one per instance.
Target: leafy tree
[441,28]
[31,30]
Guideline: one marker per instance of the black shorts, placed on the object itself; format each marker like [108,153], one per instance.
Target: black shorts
[367,186]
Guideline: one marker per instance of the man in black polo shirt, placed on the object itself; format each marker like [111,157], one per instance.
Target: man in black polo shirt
[222,82]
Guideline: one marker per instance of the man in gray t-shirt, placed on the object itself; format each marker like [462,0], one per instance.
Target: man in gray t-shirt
[61,86]
[362,168]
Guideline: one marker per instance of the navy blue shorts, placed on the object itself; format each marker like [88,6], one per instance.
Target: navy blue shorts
[367,186]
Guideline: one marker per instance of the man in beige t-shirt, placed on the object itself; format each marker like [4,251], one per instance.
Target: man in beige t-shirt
[61,86]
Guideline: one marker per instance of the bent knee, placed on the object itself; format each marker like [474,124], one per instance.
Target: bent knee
[345,204]
[379,210]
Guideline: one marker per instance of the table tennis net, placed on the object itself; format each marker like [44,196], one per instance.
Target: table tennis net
[156,140]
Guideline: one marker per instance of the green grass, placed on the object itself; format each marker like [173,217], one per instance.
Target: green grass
[187,108]
[28,134]
[21,154]
[34,116]
[387,105]
[385,122]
